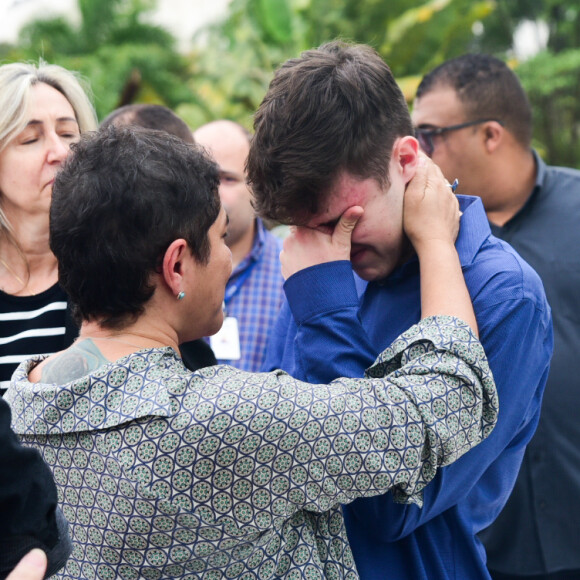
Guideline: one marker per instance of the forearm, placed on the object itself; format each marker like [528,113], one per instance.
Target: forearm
[443,289]
[344,434]
[488,469]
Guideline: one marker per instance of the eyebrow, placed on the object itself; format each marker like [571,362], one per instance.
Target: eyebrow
[226,173]
[35,122]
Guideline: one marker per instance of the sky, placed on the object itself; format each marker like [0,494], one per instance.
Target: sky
[181,17]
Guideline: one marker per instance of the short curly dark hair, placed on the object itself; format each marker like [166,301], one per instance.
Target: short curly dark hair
[487,89]
[122,197]
[335,109]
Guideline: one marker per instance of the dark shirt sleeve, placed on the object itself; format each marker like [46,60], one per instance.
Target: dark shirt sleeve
[28,504]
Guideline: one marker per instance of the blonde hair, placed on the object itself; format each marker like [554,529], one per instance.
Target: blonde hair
[16,81]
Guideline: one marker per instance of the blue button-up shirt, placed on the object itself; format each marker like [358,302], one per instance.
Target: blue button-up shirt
[335,324]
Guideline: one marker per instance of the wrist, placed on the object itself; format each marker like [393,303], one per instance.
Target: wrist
[433,247]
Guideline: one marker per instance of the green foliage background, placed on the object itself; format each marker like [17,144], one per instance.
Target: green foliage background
[127,59]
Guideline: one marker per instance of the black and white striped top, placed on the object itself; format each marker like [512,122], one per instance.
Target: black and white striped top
[30,325]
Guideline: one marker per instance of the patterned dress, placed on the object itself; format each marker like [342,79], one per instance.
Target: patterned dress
[164,473]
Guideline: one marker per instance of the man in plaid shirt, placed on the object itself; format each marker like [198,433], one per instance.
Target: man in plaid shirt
[254,291]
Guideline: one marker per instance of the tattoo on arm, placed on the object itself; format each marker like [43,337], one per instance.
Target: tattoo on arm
[75,362]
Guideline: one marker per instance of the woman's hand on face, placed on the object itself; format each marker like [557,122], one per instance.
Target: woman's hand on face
[430,208]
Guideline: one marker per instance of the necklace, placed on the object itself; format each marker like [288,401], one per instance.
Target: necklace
[16,276]
[111,338]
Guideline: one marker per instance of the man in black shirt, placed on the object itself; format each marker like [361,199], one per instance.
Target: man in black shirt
[472,117]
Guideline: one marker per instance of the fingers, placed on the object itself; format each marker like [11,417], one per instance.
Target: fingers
[31,567]
[305,246]
[417,187]
[430,208]
[346,224]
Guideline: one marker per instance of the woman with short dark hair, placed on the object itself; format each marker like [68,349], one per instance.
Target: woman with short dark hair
[165,473]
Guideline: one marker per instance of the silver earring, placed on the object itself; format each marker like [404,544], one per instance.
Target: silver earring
[181,295]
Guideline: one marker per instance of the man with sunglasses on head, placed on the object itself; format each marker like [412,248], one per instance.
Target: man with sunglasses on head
[473,118]
[334,132]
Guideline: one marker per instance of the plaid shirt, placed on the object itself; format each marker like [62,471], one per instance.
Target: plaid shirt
[257,303]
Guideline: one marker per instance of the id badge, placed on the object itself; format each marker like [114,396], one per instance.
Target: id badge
[226,343]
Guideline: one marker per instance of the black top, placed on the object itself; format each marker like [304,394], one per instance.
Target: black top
[538,530]
[31,325]
[29,516]
[43,324]
[197,354]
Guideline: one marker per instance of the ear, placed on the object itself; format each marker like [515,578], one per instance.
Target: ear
[174,264]
[406,156]
[494,134]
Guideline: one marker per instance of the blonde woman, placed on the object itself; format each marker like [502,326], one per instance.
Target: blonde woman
[43,110]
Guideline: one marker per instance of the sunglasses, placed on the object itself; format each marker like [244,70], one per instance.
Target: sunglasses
[425,136]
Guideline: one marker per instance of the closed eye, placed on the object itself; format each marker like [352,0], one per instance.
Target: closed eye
[327,227]
[229,178]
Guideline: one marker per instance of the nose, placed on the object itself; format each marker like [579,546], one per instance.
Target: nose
[57,149]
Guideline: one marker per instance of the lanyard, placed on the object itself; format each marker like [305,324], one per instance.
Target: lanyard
[234,288]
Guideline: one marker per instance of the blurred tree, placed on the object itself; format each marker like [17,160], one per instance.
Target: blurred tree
[232,71]
[234,64]
[124,57]
[226,75]
[551,78]
[552,81]
[561,17]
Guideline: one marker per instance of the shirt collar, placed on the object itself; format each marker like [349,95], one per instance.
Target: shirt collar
[474,228]
[92,402]
[541,169]
[541,176]
[257,248]
[473,232]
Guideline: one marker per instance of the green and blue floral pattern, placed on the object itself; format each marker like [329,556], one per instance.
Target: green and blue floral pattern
[224,474]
